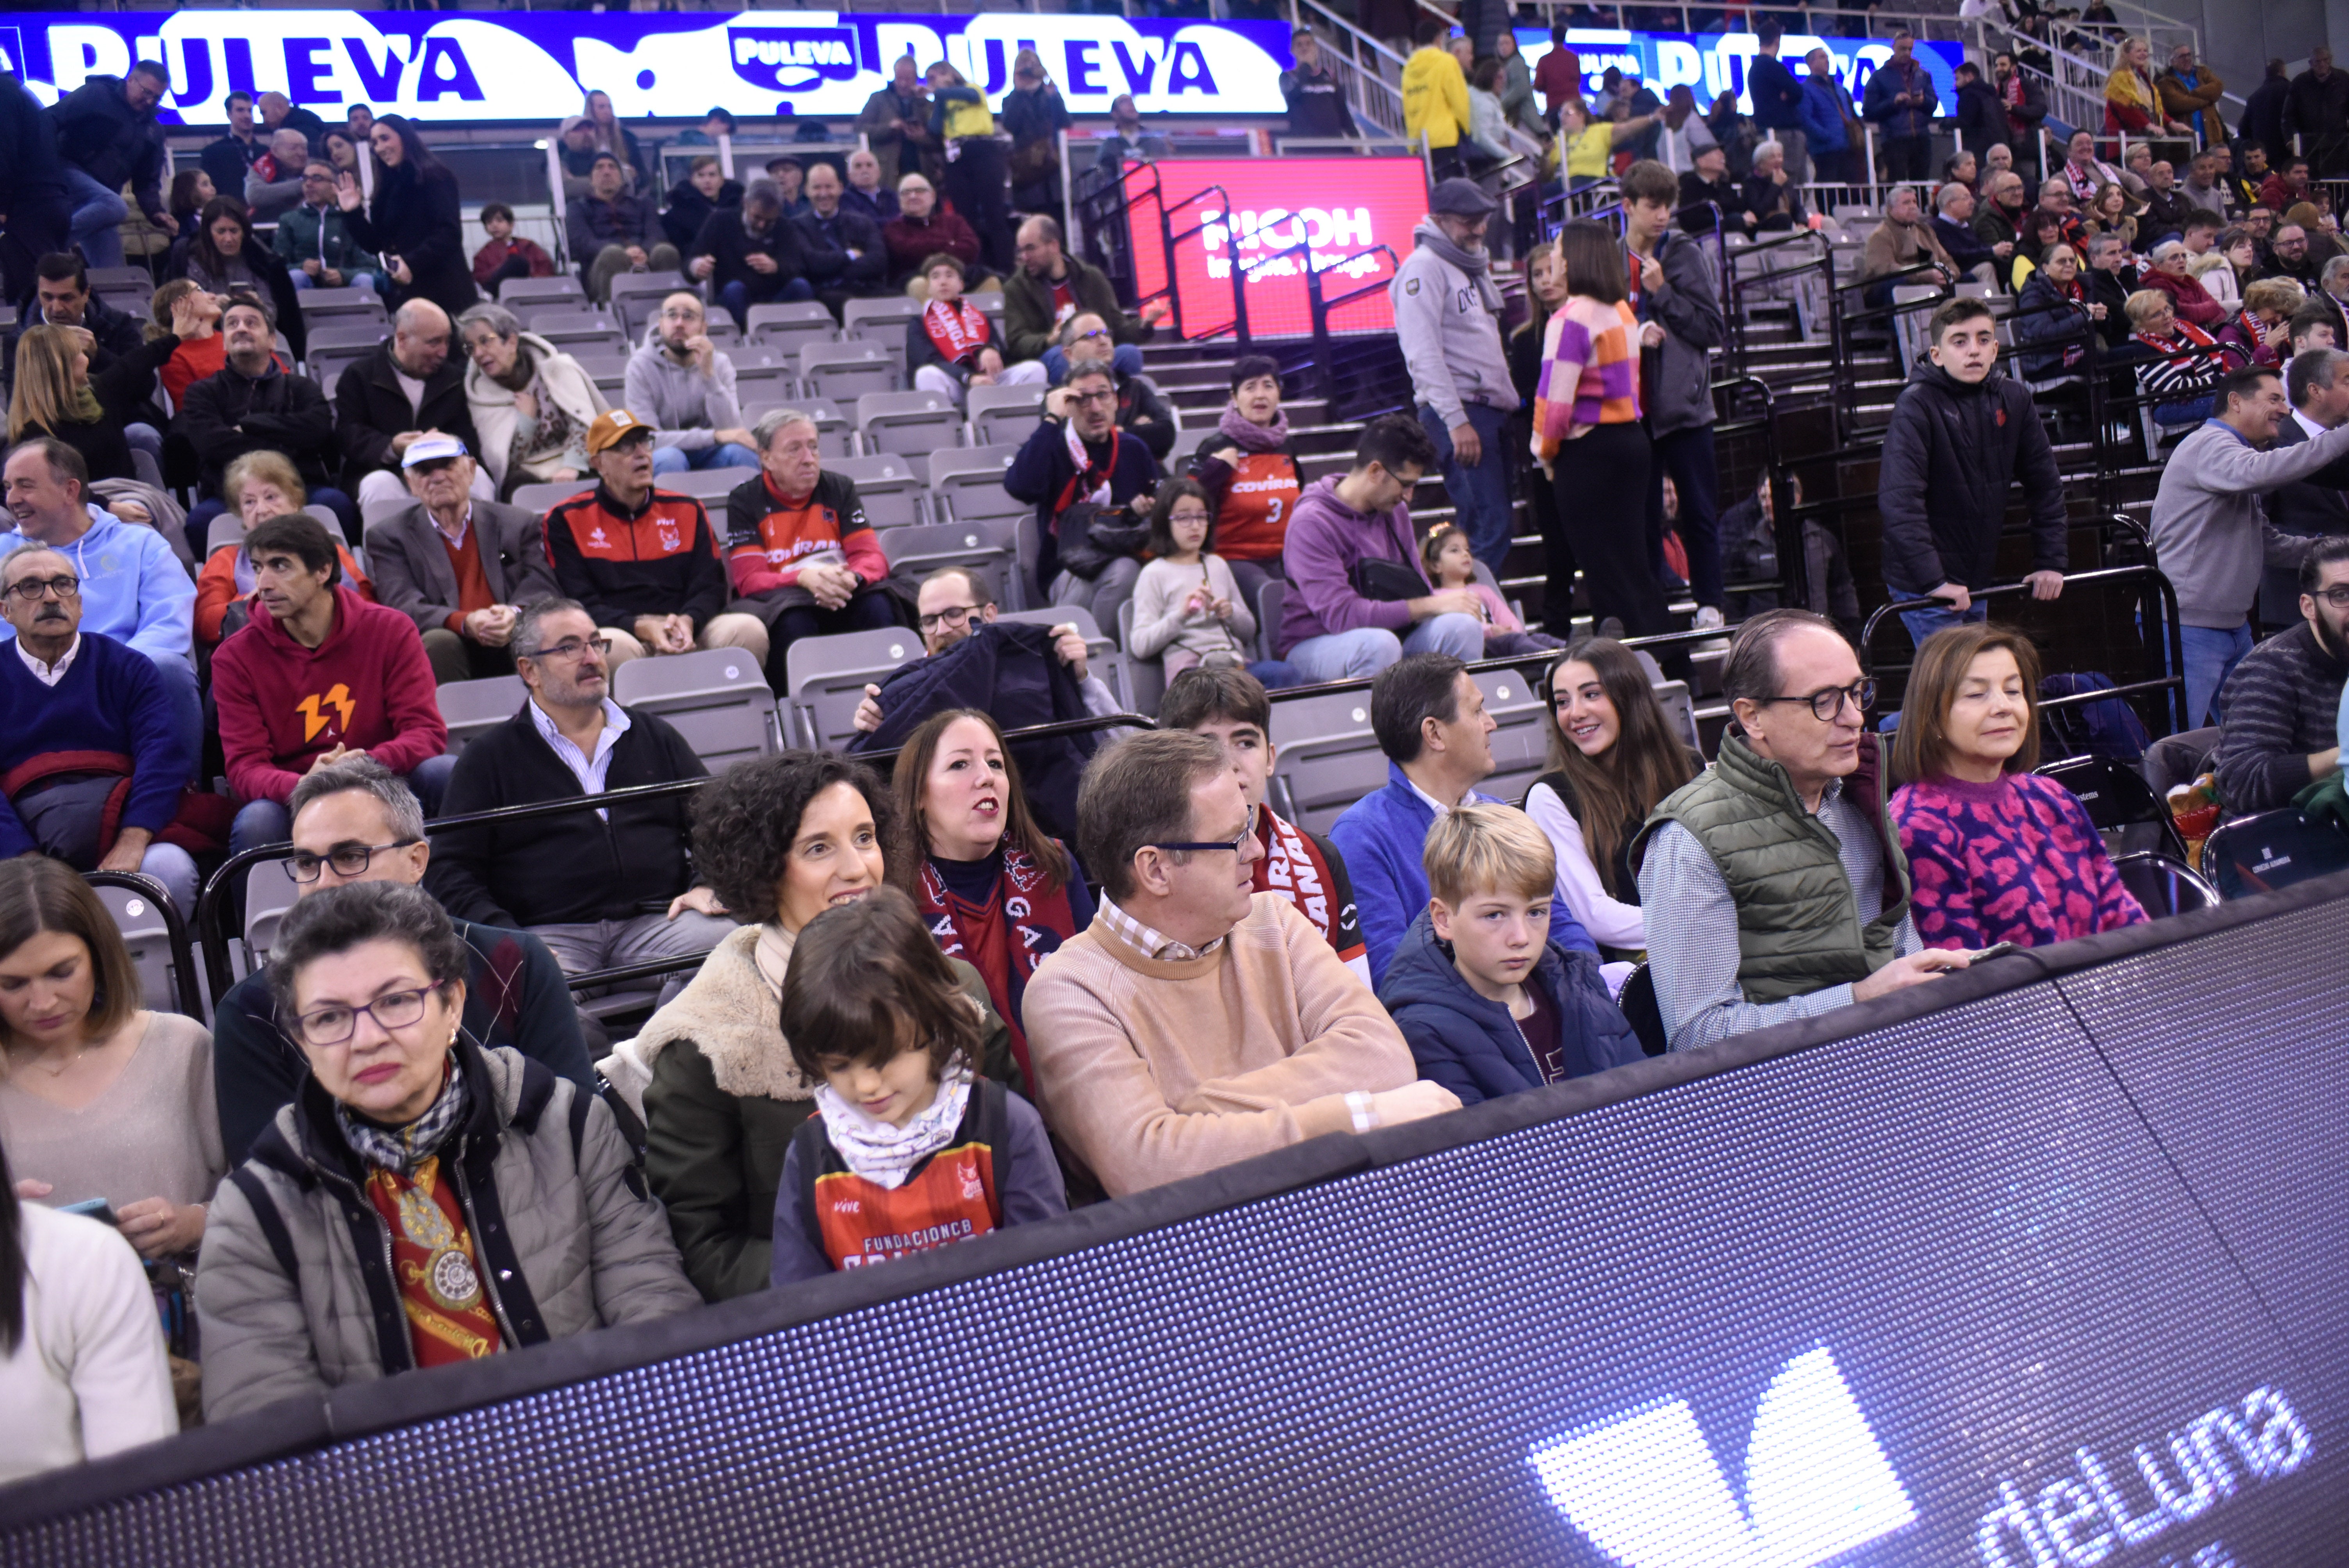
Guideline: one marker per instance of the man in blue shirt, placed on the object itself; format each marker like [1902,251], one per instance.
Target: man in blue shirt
[1429,714]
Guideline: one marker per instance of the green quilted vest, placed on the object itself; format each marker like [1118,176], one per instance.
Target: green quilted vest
[1799,927]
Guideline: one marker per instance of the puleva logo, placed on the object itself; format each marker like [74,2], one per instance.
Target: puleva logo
[793,60]
[1646,1488]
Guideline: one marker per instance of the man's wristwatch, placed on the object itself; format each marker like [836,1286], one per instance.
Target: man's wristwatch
[1363,1110]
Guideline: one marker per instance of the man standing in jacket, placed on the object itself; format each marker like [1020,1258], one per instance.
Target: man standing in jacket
[228,161]
[107,137]
[1901,99]
[1447,314]
[1429,714]
[603,888]
[1049,286]
[2211,529]
[130,586]
[458,565]
[385,403]
[2191,95]
[683,384]
[2316,109]
[1773,881]
[322,675]
[1435,97]
[1316,99]
[2282,705]
[644,562]
[1829,123]
[1961,432]
[1350,550]
[612,233]
[1677,303]
[1777,99]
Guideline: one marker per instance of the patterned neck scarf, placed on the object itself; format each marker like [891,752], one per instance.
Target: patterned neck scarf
[1251,436]
[885,1155]
[403,1149]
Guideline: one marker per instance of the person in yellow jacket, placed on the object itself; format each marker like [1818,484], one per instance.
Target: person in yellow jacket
[1435,97]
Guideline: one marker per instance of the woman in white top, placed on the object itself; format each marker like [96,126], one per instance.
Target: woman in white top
[82,1369]
[1612,757]
[100,1097]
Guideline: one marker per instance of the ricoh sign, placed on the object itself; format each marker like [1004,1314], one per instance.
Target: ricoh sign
[530,67]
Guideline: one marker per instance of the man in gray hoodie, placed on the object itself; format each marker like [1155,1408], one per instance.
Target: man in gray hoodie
[1447,315]
[681,385]
[2210,530]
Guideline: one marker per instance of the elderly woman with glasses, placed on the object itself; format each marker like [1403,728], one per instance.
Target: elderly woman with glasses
[424,1200]
[532,403]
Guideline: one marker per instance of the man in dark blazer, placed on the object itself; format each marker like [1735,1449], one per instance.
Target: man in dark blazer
[2317,382]
[409,385]
[459,566]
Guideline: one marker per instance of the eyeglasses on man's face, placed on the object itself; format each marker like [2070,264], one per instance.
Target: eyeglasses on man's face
[572,649]
[348,860]
[1236,845]
[952,615]
[2337,596]
[1825,704]
[31,588]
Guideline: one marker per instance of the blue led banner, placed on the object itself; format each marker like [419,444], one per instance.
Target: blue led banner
[530,67]
[1711,64]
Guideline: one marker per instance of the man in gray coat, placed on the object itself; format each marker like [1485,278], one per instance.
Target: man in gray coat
[1447,315]
[1678,301]
[467,616]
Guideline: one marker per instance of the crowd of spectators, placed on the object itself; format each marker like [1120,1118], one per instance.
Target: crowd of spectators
[1006,978]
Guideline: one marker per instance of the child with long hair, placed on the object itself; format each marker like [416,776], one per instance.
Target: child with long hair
[908,1149]
[1187,605]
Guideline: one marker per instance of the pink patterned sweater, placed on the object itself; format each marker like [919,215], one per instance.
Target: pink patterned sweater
[2018,860]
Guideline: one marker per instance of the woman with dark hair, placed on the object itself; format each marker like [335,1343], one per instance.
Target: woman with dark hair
[1996,853]
[780,840]
[413,222]
[1612,755]
[1250,476]
[425,1201]
[1545,292]
[1588,434]
[82,1368]
[102,1099]
[222,254]
[341,152]
[2052,310]
[910,1147]
[999,893]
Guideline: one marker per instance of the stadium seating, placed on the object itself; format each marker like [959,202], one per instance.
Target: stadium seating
[843,372]
[909,423]
[573,326]
[892,491]
[918,549]
[636,296]
[2271,849]
[269,892]
[517,294]
[788,328]
[761,375]
[540,497]
[472,708]
[1326,757]
[1522,729]
[881,322]
[330,304]
[147,932]
[333,350]
[716,697]
[825,678]
[1003,415]
[967,484]
[608,368]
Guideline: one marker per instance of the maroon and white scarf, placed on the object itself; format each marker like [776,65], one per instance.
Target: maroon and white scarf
[958,331]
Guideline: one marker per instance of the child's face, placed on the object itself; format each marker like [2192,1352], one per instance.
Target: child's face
[1453,563]
[1250,750]
[1187,524]
[1496,937]
[498,228]
[895,1091]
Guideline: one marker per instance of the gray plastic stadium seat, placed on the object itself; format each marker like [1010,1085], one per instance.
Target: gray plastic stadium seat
[761,375]
[1148,675]
[825,678]
[541,498]
[608,368]
[1520,736]
[880,321]
[334,349]
[636,296]
[967,484]
[574,326]
[148,937]
[842,372]
[519,293]
[471,708]
[717,698]
[1679,710]
[1002,415]
[788,328]
[891,489]
[723,329]
[120,277]
[1327,757]
[1186,444]
[1103,658]
[913,423]
[709,486]
[919,549]
[1271,600]
[269,892]
[330,304]
[835,437]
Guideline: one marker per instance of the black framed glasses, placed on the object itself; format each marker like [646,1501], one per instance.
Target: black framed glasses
[2337,595]
[1825,704]
[335,1026]
[952,615]
[31,588]
[572,649]
[1234,845]
[348,860]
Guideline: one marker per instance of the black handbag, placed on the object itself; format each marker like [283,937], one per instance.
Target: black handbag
[1376,577]
[1092,536]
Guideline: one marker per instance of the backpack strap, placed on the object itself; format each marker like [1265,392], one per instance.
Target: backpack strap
[995,1126]
[264,1210]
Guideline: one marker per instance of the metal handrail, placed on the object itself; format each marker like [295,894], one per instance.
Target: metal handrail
[185,990]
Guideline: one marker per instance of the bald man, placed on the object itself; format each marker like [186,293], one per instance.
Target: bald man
[409,385]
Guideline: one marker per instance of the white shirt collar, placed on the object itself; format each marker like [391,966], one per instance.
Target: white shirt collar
[464,526]
[49,674]
[2308,425]
[591,771]
[1438,806]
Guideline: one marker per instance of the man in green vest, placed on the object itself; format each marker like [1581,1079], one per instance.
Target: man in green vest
[1773,882]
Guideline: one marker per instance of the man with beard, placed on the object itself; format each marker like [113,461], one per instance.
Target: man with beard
[2283,703]
[1086,340]
[1447,316]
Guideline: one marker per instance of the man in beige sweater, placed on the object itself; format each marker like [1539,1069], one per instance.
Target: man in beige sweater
[1198,1022]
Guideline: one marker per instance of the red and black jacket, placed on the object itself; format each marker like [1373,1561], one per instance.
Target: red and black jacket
[661,558]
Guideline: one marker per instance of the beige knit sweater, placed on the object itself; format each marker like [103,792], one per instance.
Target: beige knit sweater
[1151,1071]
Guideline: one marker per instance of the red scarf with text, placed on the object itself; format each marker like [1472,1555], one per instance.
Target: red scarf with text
[958,331]
[1293,866]
[1004,939]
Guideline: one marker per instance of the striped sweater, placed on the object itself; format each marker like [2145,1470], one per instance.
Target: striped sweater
[1587,377]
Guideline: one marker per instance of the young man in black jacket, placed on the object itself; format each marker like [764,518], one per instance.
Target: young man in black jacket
[1961,434]
[602,889]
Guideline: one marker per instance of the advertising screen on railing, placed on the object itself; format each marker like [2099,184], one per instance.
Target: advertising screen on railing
[1267,216]
[1711,64]
[519,66]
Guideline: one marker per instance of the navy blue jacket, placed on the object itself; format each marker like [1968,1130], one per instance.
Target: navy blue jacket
[1777,95]
[1471,1046]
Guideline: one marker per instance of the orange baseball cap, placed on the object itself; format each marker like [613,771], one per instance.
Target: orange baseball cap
[611,427]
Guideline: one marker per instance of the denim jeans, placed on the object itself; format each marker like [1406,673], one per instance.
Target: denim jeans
[677,460]
[302,280]
[1126,360]
[99,215]
[1366,650]
[2211,657]
[1480,496]
[736,297]
[260,822]
[1923,623]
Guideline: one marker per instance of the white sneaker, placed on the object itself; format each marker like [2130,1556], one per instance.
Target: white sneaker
[1708,619]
